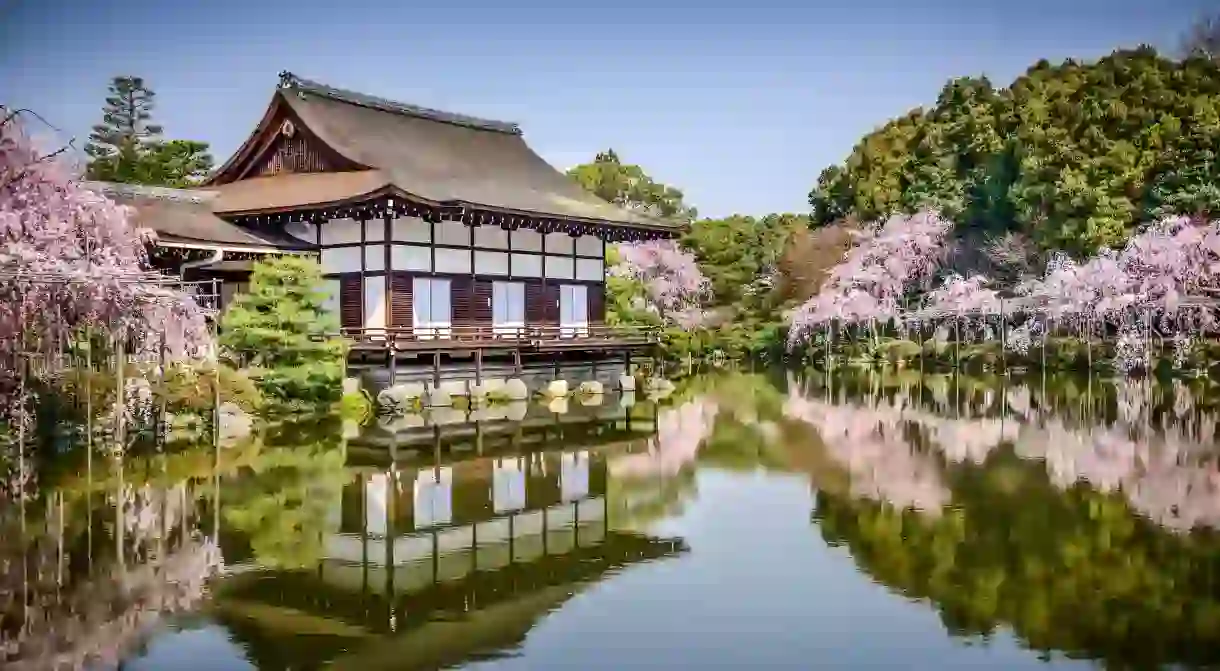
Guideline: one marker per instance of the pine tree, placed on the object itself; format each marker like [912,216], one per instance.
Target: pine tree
[115,145]
[127,146]
[280,328]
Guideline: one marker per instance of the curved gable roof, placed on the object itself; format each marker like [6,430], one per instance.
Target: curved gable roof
[440,157]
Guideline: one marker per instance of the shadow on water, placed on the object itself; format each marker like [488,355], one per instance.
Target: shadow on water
[1061,518]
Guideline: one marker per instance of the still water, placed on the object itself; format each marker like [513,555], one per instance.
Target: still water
[747,521]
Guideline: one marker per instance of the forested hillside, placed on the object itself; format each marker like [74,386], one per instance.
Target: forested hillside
[1070,156]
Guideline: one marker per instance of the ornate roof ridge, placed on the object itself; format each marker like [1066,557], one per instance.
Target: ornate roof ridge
[289,81]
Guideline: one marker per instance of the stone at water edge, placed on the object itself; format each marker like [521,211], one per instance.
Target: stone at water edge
[477,393]
[627,399]
[626,383]
[351,385]
[401,422]
[558,405]
[400,398]
[590,400]
[590,387]
[556,389]
[235,424]
[443,416]
[516,411]
[437,398]
[515,390]
[659,387]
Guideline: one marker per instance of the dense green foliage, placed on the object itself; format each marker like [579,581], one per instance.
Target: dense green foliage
[1073,155]
[629,186]
[282,330]
[127,146]
[280,507]
[743,258]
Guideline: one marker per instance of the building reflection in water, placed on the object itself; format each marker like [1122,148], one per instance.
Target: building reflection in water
[453,550]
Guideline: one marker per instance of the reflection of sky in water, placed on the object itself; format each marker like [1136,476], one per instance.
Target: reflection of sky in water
[203,649]
[758,590]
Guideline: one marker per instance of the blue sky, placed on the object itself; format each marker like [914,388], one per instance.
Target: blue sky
[740,105]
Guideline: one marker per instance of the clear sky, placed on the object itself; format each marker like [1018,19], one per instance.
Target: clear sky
[741,105]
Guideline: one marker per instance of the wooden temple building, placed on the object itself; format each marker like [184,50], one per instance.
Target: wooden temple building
[435,231]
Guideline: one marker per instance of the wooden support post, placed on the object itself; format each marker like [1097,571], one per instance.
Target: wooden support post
[478,366]
[957,340]
[392,362]
[436,369]
[1088,343]
[517,361]
[1003,339]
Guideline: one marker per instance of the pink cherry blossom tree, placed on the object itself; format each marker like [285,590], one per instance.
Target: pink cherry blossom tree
[883,264]
[70,260]
[1154,283]
[674,286]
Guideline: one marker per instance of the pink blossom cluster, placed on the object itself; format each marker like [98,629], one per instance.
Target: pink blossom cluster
[880,267]
[1159,269]
[964,295]
[1167,473]
[70,258]
[670,275]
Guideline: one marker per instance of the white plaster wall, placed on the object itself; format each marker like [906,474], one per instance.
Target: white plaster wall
[452,260]
[493,237]
[331,302]
[452,233]
[341,260]
[527,265]
[411,229]
[374,302]
[374,257]
[411,257]
[559,267]
[490,263]
[558,243]
[588,245]
[302,231]
[338,231]
[590,269]
[526,240]
[374,230]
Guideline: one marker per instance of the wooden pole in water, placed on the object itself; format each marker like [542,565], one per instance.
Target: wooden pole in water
[120,418]
[89,442]
[1003,339]
[392,362]
[1088,342]
[436,369]
[1148,340]
[478,366]
[957,340]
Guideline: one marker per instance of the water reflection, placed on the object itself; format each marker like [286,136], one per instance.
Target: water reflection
[418,545]
[1051,518]
[1081,516]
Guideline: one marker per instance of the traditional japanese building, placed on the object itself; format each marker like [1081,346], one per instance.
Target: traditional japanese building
[428,224]
[191,241]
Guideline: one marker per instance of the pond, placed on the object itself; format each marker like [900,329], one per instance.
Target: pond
[770,520]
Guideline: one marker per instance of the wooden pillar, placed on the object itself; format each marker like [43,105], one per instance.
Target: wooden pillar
[478,366]
[387,266]
[364,318]
[391,505]
[436,369]
[392,361]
